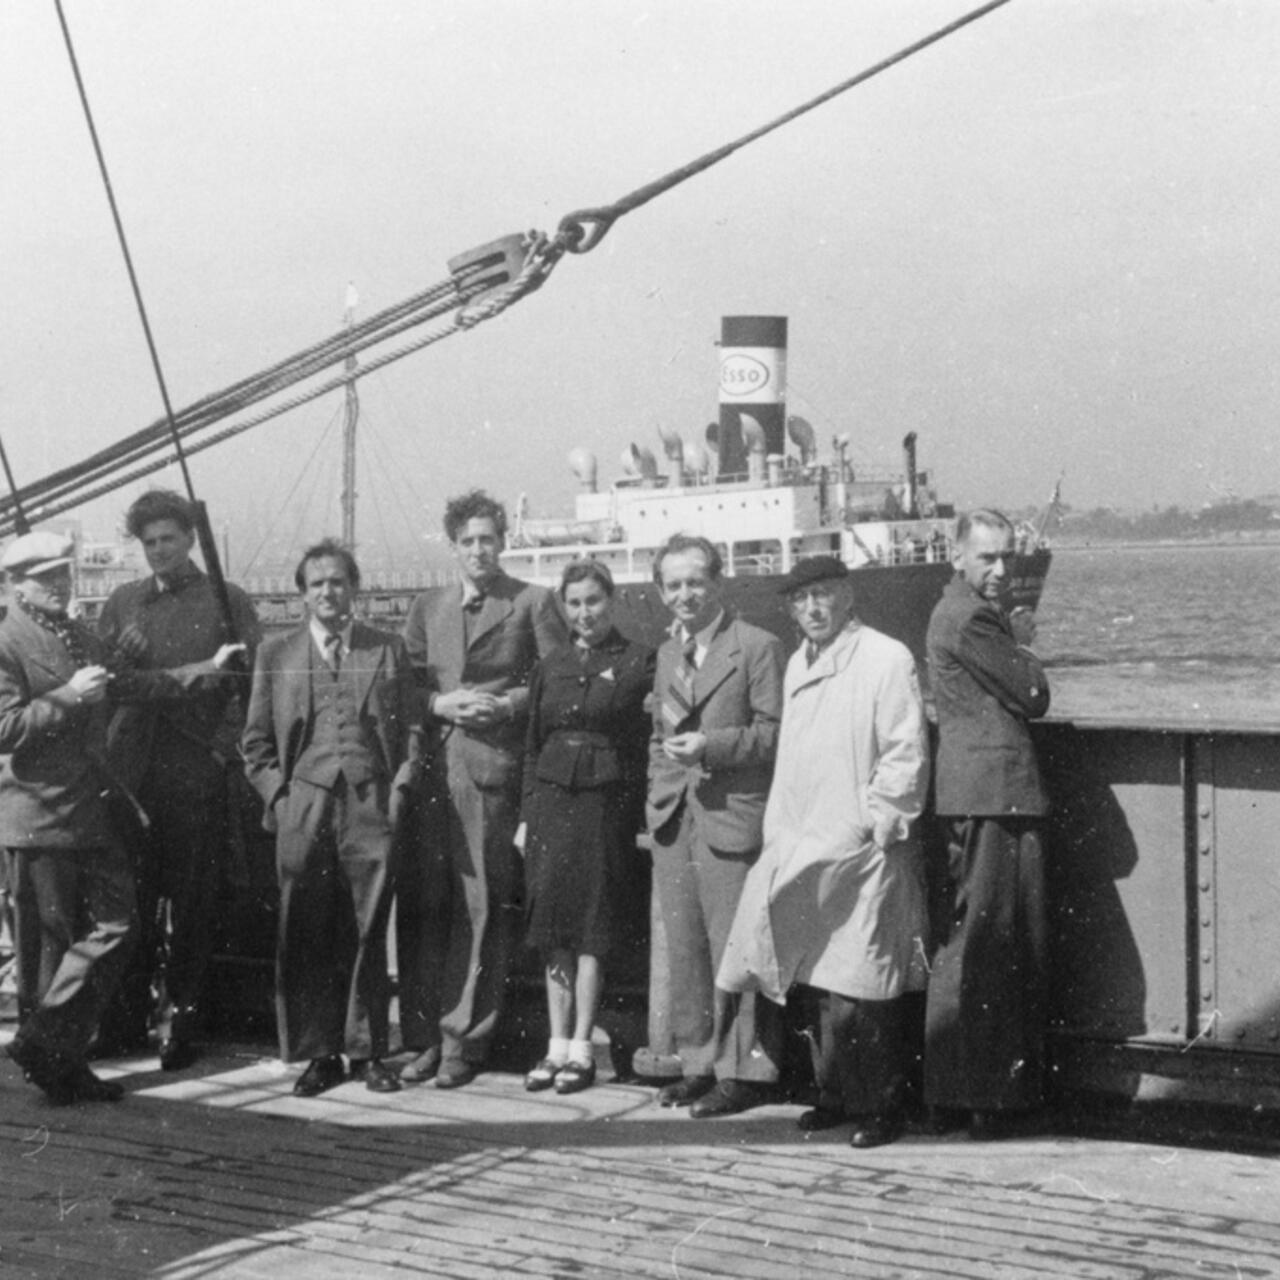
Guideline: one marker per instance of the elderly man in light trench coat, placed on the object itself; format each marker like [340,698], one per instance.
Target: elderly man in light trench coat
[836,901]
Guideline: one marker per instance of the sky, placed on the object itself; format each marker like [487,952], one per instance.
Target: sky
[1049,244]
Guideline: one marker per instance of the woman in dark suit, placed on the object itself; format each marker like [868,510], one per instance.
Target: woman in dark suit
[583,804]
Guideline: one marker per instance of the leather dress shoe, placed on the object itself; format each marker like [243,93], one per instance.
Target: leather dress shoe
[685,1091]
[321,1075]
[177,1054]
[423,1067]
[876,1131]
[816,1119]
[87,1087]
[377,1076]
[728,1098]
[453,1075]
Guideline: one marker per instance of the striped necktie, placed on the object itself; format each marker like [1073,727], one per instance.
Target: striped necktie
[677,705]
[333,652]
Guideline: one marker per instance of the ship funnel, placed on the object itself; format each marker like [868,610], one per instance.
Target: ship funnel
[802,437]
[582,462]
[639,461]
[753,375]
[909,504]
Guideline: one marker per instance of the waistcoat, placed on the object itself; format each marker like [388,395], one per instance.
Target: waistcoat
[339,746]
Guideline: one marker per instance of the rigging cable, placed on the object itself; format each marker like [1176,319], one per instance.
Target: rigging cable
[481,286]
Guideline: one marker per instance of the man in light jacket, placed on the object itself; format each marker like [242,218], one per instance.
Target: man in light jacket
[836,904]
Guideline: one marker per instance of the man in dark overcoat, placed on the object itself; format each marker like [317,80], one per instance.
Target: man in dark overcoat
[474,645]
[329,744]
[716,709]
[985,1022]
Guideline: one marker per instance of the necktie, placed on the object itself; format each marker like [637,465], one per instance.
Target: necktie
[677,705]
[333,651]
[811,653]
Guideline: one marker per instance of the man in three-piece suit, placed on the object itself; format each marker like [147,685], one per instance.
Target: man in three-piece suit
[716,709]
[327,745]
[474,646]
[985,1022]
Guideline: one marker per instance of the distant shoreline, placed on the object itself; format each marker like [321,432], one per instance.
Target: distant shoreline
[1134,544]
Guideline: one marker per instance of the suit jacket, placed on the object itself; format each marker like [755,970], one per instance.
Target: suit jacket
[985,687]
[281,717]
[737,697]
[517,625]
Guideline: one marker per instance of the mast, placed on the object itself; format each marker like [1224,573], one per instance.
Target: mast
[351,416]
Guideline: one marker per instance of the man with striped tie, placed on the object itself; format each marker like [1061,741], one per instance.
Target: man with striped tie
[716,707]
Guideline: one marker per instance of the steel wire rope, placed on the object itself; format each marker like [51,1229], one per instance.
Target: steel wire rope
[224,403]
[582,230]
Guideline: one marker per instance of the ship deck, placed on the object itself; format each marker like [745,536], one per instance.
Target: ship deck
[220,1171]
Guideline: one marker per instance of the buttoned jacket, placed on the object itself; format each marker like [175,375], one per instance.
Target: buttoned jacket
[737,704]
[986,687]
[282,715]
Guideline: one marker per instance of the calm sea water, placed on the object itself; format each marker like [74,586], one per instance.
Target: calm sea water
[1169,633]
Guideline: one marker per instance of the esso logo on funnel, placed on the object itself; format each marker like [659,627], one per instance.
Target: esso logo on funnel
[753,377]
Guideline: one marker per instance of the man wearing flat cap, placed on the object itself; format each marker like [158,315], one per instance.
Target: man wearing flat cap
[834,910]
[71,880]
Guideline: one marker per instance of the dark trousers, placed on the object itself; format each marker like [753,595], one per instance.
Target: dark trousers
[985,1018]
[334,858]
[860,1049]
[733,1036]
[458,917]
[73,927]
[177,864]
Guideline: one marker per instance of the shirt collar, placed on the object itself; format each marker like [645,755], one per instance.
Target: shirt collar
[320,633]
[471,591]
[701,639]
